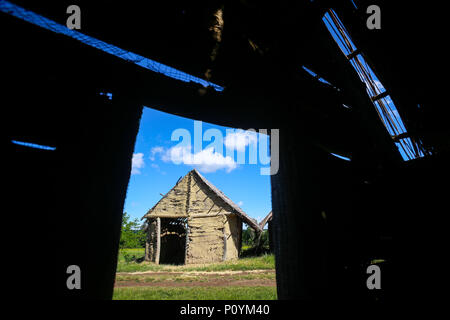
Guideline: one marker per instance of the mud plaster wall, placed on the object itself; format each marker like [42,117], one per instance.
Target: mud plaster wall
[206,234]
[174,203]
[233,230]
[205,238]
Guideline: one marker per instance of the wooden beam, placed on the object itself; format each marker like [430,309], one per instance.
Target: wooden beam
[403,135]
[186,245]
[158,239]
[224,245]
[209,215]
[353,54]
[174,216]
[380,96]
[211,208]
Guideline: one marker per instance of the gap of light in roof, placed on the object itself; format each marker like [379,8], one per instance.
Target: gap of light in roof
[405,145]
[315,75]
[33,145]
[38,20]
[340,157]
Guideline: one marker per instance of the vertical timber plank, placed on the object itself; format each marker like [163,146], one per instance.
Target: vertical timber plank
[158,239]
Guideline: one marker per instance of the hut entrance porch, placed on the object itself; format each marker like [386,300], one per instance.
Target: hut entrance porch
[173,241]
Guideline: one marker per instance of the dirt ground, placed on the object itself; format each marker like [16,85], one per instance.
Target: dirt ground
[196,279]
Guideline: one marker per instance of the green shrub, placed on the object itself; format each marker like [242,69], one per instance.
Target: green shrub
[129,257]
[132,235]
[252,246]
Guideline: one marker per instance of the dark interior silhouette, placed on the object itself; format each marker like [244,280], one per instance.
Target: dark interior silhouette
[331,217]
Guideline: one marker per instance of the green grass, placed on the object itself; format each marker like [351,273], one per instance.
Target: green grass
[265,262]
[123,266]
[195,293]
[194,277]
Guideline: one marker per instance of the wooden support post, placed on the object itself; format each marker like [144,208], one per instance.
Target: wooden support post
[299,254]
[186,245]
[150,241]
[224,245]
[158,239]
[240,238]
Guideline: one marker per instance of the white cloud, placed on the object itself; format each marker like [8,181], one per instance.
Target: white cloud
[155,151]
[240,203]
[137,162]
[240,139]
[205,160]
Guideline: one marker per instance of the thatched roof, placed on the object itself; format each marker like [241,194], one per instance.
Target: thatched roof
[265,220]
[234,207]
[249,221]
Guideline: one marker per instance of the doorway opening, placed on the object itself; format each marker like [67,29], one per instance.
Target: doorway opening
[173,241]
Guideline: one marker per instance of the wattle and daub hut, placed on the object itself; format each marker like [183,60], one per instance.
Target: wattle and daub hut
[195,223]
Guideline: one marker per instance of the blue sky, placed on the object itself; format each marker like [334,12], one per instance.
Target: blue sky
[154,172]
